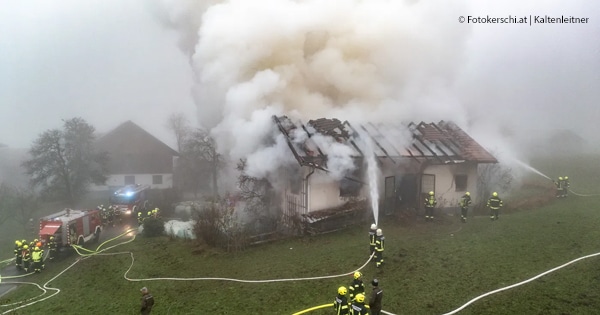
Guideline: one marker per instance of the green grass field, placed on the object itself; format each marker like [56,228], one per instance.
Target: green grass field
[430,268]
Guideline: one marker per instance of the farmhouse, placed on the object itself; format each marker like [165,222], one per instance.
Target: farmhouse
[136,157]
[412,160]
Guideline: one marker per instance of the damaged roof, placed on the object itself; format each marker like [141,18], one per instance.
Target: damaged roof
[440,143]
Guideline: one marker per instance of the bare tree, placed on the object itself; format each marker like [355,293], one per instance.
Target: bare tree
[179,124]
[492,177]
[63,162]
[200,148]
[258,193]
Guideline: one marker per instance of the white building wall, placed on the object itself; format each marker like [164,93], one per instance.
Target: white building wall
[118,180]
[445,187]
[324,192]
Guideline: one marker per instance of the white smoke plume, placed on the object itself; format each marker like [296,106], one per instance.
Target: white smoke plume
[377,60]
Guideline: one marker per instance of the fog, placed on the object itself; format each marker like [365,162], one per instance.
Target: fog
[230,65]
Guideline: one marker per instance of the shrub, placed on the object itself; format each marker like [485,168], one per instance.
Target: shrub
[153,227]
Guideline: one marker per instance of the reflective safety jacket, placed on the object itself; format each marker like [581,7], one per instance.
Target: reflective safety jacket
[465,201]
[494,203]
[379,243]
[36,255]
[357,286]
[341,306]
[430,202]
[359,309]
[372,234]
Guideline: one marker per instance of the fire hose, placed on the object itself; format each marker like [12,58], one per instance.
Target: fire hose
[99,251]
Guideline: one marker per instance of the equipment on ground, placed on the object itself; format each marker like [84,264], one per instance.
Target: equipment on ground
[130,199]
[71,227]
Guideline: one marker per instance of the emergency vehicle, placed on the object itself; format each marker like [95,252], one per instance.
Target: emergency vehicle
[130,199]
[71,227]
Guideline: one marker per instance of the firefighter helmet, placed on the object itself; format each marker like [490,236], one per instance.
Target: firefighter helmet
[431,193]
[36,240]
[379,232]
[39,244]
[566,177]
[342,290]
[25,246]
[17,242]
[495,194]
[360,298]
[375,282]
[36,248]
[467,193]
[51,237]
[357,275]
[23,241]
[373,226]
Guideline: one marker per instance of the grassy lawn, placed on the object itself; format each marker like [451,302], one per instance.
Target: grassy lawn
[430,268]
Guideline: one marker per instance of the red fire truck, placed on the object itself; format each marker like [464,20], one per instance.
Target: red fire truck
[130,199]
[71,227]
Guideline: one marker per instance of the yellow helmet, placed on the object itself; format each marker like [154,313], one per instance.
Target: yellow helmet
[560,178]
[17,242]
[431,193]
[25,246]
[495,194]
[566,177]
[36,248]
[357,275]
[360,298]
[342,290]
[51,237]
[23,241]
[468,193]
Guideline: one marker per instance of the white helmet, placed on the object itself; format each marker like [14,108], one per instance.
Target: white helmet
[373,226]
[379,232]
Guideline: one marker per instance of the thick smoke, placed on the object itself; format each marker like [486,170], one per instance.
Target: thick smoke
[381,61]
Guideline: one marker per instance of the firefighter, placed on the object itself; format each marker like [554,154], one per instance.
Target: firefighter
[340,303]
[51,248]
[149,214]
[494,203]
[430,203]
[464,203]
[103,217]
[372,232]
[147,301]
[358,306]
[26,257]
[559,187]
[375,298]
[36,257]
[18,251]
[117,214]
[357,286]
[140,218]
[155,212]
[33,243]
[566,186]
[379,246]
[110,217]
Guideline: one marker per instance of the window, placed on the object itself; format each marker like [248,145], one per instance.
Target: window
[349,188]
[460,181]
[157,179]
[427,183]
[129,179]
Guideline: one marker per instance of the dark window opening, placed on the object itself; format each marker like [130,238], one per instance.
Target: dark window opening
[460,181]
[129,179]
[349,188]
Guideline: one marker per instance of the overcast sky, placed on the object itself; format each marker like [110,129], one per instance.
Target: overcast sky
[110,61]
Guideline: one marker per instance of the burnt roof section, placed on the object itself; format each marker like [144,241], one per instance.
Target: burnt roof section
[440,143]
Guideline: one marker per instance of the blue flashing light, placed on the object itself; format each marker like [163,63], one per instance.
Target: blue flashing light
[129,193]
